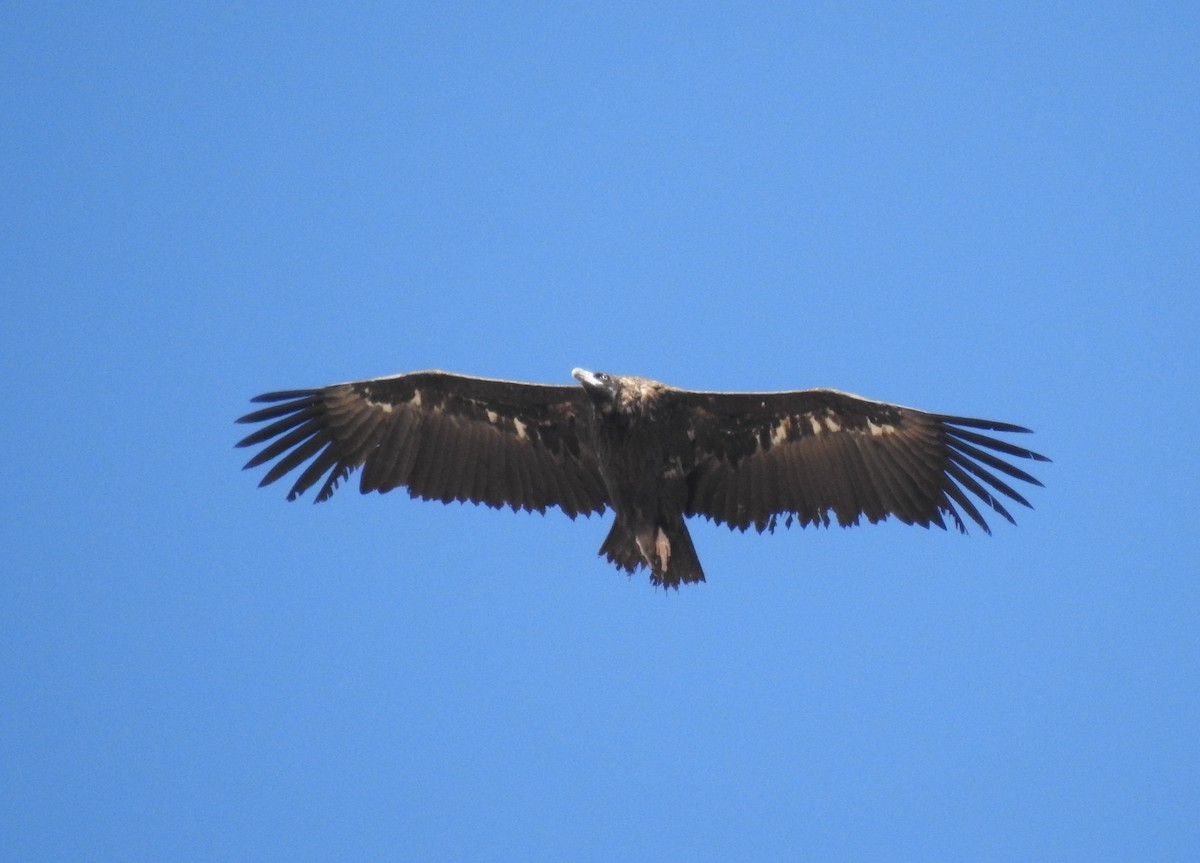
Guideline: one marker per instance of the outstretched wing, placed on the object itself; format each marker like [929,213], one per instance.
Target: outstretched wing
[803,455]
[444,437]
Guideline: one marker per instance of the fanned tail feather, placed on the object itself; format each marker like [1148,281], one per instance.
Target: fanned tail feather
[668,552]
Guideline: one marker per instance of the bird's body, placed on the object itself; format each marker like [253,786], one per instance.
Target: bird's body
[640,437]
[652,453]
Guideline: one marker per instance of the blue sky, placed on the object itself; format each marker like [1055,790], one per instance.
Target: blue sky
[990,212]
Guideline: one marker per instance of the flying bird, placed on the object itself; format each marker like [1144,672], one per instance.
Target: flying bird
[652,453]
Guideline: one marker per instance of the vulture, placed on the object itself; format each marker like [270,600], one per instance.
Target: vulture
[654,454]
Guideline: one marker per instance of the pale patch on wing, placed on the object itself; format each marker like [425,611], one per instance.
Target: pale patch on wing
[492,416]
[792,428]
[386,407]
[520,427]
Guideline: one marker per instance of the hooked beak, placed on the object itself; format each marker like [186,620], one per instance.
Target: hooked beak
[585,377]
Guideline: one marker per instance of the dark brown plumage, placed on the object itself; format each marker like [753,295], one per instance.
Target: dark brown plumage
[652,453]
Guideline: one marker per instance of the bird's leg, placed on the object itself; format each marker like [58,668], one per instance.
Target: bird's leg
[654,545]
[662,547]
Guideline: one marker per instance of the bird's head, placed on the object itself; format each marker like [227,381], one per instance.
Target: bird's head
[623,395]
[601,387]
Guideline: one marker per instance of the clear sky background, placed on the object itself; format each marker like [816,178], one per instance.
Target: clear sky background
[991,212]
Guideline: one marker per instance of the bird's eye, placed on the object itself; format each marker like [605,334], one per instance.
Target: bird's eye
[604,377]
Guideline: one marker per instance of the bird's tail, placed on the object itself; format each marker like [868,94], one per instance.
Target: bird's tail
[666,550]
